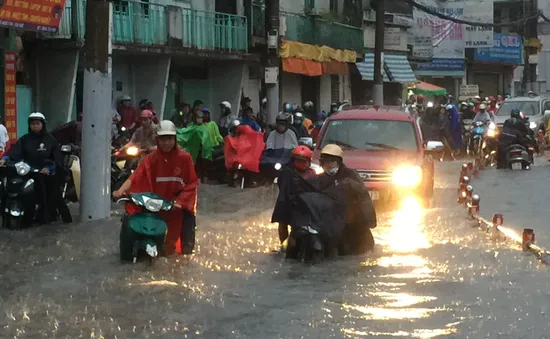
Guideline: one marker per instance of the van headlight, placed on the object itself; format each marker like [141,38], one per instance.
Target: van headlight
[407,176]
[318,169]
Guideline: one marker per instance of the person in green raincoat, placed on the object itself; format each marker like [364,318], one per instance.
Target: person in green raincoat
[195,139]
[216,138]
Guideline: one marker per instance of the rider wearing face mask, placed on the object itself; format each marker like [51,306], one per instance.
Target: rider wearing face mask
[282,136]
[483,115]
[360,213]
[298,125]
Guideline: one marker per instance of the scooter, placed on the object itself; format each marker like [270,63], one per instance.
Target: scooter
[304,244]
[517,158]
[71,166]
[144,233]
[478,134]
[18,207]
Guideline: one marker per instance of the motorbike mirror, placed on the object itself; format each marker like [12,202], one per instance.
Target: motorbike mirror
[547,112]
[306,141]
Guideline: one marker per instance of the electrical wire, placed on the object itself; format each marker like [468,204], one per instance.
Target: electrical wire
[430,11]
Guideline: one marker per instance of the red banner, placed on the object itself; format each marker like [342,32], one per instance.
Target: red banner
[32,15]
[10,95]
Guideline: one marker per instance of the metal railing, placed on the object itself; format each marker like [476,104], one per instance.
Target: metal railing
[317,31]
[145,23]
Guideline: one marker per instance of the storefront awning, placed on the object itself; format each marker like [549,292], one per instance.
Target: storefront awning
[301,66]
[335,67]
[398,68]
[366,68]
[427,89]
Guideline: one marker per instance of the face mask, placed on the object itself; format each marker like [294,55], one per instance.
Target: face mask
[332,171]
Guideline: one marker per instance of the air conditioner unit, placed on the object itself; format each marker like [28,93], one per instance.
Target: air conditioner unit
[282,25]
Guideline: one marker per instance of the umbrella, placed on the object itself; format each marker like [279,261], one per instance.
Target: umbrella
[425,88]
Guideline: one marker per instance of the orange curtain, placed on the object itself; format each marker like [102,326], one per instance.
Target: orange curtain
[301,66]
[335,67]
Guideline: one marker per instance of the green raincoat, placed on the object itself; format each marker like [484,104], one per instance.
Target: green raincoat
[216,138]
[194,139]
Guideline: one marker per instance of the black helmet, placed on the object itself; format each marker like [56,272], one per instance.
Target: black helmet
[284,118]
[515,113]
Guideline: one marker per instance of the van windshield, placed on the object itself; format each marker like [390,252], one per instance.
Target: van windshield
[529,108]
[371,135]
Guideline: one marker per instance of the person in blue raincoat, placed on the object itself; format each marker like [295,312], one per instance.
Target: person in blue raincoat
[455,128]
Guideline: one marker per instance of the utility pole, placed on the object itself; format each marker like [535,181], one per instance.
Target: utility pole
[95,202]
[529,82]
[272,62]
[378,88]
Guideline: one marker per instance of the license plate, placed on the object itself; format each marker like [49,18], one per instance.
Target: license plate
[516,166]
[374,195]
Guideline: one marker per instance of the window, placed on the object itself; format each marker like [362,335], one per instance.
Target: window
[334,6]
[309,5]
[372,135]
[529,108]
[334,88]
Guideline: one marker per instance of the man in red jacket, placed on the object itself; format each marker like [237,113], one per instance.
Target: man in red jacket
[169,172]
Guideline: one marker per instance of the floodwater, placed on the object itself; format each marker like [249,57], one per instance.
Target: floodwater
[432,275]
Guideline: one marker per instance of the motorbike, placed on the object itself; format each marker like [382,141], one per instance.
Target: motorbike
[71,170]
[272,162]
[118,173]
[467,134]
[18,197]
[215,170]
[489,146]
[517,157]
[305,245]
[144,233]
[477,136]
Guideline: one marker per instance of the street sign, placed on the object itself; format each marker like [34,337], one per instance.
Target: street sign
[468,91]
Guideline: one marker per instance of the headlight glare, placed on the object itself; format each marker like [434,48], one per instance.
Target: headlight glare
[407,176]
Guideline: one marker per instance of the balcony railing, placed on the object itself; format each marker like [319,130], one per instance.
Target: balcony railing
[151,24]
[316,31]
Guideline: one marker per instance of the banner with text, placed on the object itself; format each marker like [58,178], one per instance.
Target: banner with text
[10,95]
[478,11]
[507,49]
[32,15]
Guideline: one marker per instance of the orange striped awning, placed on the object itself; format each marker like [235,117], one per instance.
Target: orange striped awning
[301,66]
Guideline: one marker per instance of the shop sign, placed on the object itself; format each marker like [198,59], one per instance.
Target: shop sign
[468,91]
[32,15]
[507,48]
[478,36]
[10,94]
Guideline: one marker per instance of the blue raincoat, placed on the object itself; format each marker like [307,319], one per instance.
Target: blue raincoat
[456,129]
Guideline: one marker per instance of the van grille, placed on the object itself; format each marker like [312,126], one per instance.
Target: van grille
[376,176]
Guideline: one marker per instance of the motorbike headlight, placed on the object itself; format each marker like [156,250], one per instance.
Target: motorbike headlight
[407,176]
[318,169]
[66,148]
[532,125]
[123,129]
[153,205]
[491,133]
[132,150]
[278,166]
[22,168]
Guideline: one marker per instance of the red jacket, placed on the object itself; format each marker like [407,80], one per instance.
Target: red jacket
[128,116]
[246,148]
[172,176]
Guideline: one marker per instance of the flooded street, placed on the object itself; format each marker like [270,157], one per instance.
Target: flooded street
[431,275]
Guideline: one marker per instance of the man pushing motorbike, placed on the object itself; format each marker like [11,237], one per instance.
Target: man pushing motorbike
[170,173]
[514,131]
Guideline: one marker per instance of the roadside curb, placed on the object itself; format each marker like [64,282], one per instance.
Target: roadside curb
[471,201]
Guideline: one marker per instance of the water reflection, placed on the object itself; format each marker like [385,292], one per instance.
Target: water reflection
[405,268]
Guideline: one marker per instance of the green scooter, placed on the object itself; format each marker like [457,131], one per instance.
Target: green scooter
[144,233]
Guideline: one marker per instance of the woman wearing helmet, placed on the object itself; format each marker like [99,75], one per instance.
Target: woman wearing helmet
[483,115]
[226,117]
[298,124]
[40,150]
[291,184]
[169,172]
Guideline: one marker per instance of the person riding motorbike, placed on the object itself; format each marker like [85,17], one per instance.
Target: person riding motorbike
[300,166]
[309,113]
[321,117]
[282,136]
[360,215]
[170,173]
[514,131]
[128,114]
[298,125]
[143,138]
[146,104]
[333,109]
[248,119]
[468,111]
[40,150]
[483,115]
[227,117]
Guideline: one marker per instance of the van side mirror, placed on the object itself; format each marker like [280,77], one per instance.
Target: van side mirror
[434,146]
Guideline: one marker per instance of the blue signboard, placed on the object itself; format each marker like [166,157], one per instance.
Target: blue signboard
[441,64]
[506,49]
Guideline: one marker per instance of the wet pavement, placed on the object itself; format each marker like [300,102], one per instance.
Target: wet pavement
[431,275]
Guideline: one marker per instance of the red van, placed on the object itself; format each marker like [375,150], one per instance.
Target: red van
[386,148]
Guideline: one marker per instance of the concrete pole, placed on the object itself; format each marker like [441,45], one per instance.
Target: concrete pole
[529,82]
[272,60]
[378,87]
[97,113]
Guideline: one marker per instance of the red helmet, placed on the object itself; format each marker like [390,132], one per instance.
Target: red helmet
[491,98]
[302,153]
[420,97]
[146,114]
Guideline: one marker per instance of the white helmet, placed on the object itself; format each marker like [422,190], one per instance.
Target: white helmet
[166,127]
[308,104]
[37,116]
[482,106]
[264,101]
[226,104]
[125,98]
[449,107]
